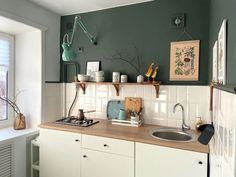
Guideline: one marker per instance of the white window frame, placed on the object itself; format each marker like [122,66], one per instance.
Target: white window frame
[11,79]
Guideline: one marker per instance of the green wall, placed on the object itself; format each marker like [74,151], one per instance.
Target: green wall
[224,9]
[146,26]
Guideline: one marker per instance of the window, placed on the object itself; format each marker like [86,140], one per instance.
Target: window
[6,73]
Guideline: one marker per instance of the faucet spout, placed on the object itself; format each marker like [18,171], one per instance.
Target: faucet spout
[184,125]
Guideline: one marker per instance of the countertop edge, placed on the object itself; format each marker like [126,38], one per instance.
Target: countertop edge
[176,145]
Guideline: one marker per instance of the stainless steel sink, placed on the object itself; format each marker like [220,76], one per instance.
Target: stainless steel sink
[173,135]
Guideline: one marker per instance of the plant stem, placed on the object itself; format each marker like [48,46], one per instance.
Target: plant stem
[13,105]
[136,69]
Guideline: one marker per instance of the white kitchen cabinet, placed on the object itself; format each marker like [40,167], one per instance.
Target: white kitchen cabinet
[101,164]
[106,157]
[158,161]
[60,153]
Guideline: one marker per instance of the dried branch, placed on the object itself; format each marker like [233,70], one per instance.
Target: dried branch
[135,60]
[17,94]
[13,105]
[133,66]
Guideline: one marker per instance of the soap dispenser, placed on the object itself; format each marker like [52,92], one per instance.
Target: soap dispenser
[199,122]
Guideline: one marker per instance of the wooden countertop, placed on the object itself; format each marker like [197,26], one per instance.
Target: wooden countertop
[141,134]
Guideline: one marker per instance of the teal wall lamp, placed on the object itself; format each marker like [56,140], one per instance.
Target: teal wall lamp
[68,53]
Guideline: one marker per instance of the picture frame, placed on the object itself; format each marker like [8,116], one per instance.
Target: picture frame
[184,60]
[91,68]
[222,37]
[215,63]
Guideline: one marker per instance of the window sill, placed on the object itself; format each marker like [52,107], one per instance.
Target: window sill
[9,134]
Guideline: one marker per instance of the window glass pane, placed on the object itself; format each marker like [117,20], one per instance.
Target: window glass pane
[4,69]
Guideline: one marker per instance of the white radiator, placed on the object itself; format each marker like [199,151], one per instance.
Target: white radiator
[6,158]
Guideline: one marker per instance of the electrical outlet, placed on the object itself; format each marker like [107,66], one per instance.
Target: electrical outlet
[81,49]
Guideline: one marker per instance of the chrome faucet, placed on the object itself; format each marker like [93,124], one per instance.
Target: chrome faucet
[184,125]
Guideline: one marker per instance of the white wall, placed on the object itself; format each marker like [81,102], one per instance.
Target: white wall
[31,14]
[53,101]
[28,75]
[223,144]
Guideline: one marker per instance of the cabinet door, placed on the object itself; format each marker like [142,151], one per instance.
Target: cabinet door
[101,164]
[157,161]
[59,154]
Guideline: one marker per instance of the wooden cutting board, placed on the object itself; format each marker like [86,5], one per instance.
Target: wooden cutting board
[133,103]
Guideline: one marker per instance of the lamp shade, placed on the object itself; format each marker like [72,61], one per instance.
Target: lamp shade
[68,53]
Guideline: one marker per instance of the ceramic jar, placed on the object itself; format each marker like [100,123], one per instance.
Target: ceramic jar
[115,77]
[140,79]
[123,78]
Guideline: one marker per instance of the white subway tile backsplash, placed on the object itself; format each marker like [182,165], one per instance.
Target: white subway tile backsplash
[159,121]
[147,108]
[163,109]
[155,110]
[101,91]
[182,94]
[148,92]
[100,115]
[128,91]
[197,94]
[139,91]
[192,110]
[172,94]
[104,104]
[98,105]
[172,123]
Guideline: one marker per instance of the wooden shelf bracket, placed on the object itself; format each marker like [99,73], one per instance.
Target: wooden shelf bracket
[83,87]
[117,87]
[157,88]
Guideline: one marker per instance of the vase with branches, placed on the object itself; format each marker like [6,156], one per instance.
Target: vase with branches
[19,121]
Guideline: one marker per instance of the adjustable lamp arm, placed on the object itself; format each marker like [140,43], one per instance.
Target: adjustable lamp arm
[68,53]
[79,21]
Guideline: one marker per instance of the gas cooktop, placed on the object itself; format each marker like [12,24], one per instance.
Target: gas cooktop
[76,122]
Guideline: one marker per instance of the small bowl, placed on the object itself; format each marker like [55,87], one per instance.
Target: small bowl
[83,77]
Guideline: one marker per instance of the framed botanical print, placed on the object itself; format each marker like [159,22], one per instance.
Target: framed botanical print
[184,60]
[222,54]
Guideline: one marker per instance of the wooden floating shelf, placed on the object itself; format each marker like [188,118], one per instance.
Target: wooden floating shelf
[117,86]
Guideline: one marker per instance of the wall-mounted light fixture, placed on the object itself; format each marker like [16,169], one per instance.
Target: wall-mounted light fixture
[178,21]
[68,53]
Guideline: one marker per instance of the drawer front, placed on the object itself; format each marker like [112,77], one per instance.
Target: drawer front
[109,145]
[60,136]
